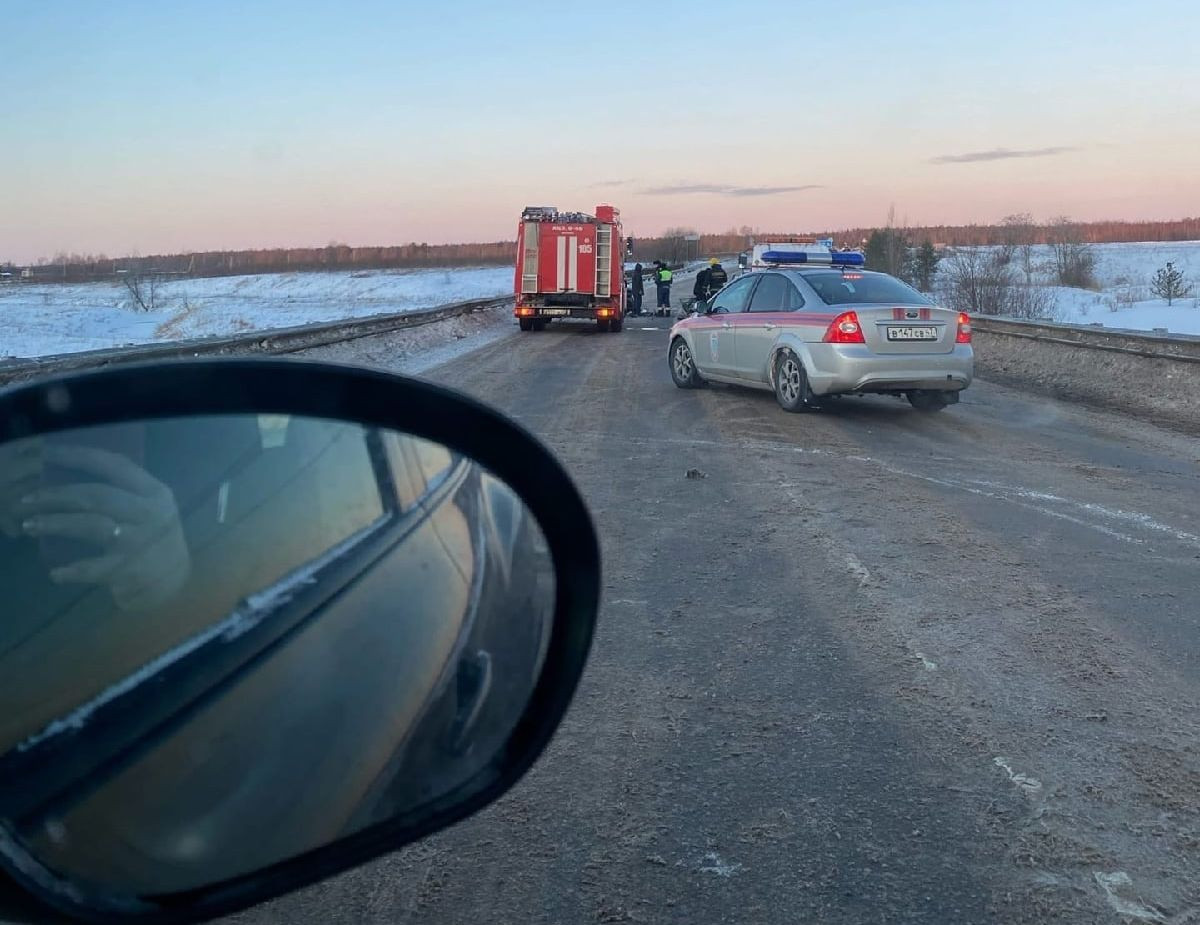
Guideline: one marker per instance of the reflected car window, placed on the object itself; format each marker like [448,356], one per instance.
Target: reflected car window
[212,511]
[300,499]
[405,471]
[433,459]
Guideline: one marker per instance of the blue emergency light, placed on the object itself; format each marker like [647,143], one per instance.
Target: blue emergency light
[789,257]
[836,258]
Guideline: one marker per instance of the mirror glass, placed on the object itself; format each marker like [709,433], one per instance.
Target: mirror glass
[229,640]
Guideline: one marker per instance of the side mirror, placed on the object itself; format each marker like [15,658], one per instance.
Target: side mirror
[266,620]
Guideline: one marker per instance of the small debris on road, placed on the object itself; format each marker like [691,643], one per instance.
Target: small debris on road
[695,474]
[1118,882]
[711,863]
[1029,785]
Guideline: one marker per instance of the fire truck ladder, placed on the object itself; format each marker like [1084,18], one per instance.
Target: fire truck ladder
[604,261]
[529,265]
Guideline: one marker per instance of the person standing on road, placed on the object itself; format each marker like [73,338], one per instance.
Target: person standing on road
[637,288]
[662,277]
[715,277]
[700,289]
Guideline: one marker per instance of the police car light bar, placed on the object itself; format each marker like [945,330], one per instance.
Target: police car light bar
[813,255]
[794,257]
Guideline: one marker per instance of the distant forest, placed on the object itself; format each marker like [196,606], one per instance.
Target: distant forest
[671,245]
[674,245]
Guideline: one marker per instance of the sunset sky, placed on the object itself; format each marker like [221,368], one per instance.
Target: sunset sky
[149,127]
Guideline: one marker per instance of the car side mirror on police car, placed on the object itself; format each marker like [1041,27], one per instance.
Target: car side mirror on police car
[266,620]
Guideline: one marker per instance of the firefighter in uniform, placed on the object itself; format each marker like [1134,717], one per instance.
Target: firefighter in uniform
[715,278]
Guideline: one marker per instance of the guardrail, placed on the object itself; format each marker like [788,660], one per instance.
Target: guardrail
[275,341]
[1182,347]
[1152,376]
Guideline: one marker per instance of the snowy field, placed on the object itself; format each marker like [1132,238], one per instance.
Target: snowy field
[39,320]
[1124,299]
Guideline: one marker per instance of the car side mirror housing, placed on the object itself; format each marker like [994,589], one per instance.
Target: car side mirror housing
[324,612]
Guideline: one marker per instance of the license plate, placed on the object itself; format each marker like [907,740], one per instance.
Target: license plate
[911,333]
[556,311]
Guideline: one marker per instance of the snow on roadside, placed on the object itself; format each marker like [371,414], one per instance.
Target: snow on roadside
[415,351]
[39,319]
[1123,299]
[1082,306]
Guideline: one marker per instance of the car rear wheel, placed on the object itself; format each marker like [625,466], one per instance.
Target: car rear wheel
[927,401]
[791,383]
[683,366]
[527,324]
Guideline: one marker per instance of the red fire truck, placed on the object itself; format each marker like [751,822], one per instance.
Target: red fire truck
[570,265]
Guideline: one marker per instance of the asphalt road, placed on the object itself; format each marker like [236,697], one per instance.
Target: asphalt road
[875,666]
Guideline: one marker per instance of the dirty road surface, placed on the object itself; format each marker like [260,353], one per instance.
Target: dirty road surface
[871,665]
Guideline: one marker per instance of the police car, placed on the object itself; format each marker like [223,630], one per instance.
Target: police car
[809,322]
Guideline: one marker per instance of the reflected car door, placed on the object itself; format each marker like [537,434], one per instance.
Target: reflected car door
[773,305]
[713,337]
[276,681]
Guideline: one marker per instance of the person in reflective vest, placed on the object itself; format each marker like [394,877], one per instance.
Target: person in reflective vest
[662,277]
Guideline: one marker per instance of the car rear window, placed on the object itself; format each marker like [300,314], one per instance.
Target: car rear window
[836,288]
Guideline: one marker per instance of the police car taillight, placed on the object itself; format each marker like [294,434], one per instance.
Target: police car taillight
[845,329]
[964,329]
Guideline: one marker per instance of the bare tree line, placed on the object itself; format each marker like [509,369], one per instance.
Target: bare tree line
[1000,280]
[671,245]
[86,268]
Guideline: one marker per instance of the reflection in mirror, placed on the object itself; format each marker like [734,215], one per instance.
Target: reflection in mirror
[228,640]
